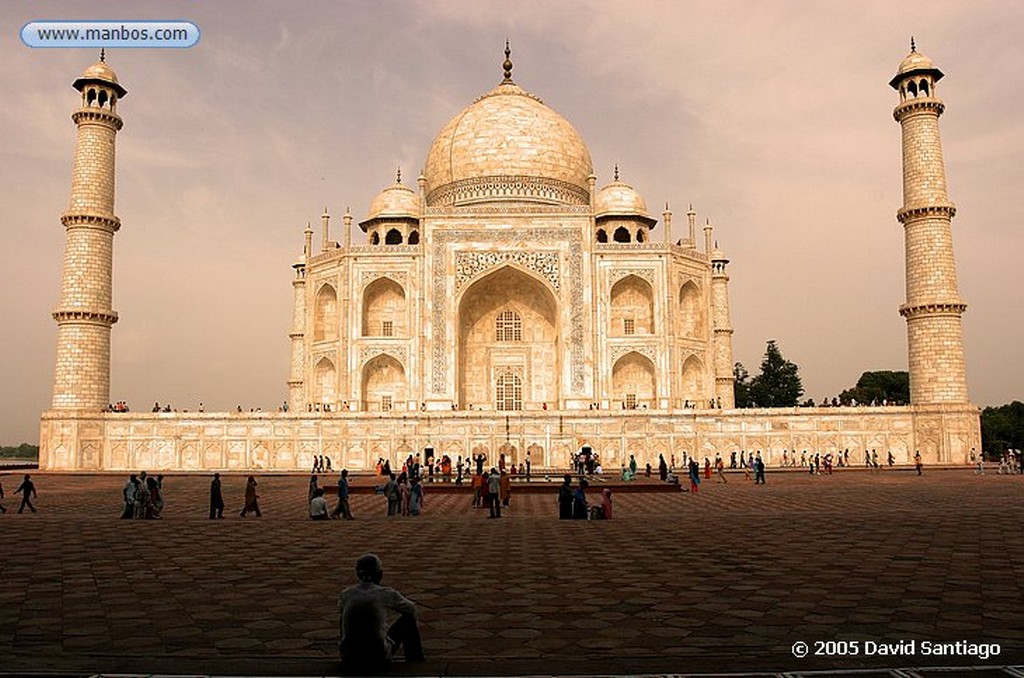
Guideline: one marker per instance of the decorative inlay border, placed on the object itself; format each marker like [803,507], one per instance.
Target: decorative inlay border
[441,296]
[469,265]
[617,274]
[511,208]
[503,187]
[368,353]
[367,277]
[646,350]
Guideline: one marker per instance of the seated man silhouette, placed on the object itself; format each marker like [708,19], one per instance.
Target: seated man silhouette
[367,641]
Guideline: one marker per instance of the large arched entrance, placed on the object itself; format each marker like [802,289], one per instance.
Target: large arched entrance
[383,385]
[507,352]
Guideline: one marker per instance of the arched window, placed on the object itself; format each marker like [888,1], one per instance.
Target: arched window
[91,96]
[508,326]
[394,237]
[508,392]
[912,88]
[414,238]
[103,98]
[602,235]
[924,88]
[375,238]
[621,234]
[640,235]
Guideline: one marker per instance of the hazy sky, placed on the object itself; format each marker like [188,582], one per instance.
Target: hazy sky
[773,118]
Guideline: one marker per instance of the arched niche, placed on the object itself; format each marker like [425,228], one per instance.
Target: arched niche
[384,309]
[634,381]
[691,381]
[325,383]
[632,307]
[325,314]
[383,385]
[691,312]
[481,353]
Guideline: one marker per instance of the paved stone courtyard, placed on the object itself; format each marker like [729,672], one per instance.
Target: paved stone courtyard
[725,580]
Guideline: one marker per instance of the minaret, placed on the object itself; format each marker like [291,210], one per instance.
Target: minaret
[933,306]
[667,218]
[81,379]
[691,220]
[325,221]
[296,392]
[721,339]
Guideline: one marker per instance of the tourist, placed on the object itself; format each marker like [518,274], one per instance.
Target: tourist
[891,460]
[579,501]
[27,489]
[480,459]
[606,503]
[917,462]
[128,495]
[505,483]
[251,498]
[403,493]
[318,506]
[415,496]
[648,469]
[342,509]
[494,493]
[694,475]
[981,462]
[368,643]
[329,468]
[759,469]
[632,466]
[155,504]
[720,468]
[707,469]
[527,467]
[3,509]
[391,494]
[662,468]
[216,498]
[314,484]
[565,498]
[458,470]
[141,504]
[477,485]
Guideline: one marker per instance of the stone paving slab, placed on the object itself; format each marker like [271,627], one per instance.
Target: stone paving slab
[724,580]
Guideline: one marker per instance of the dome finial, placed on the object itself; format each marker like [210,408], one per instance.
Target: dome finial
[913,46]
[616,171]
[398,175]
[507,65]
[103,55]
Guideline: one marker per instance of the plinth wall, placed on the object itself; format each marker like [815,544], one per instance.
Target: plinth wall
[270,441]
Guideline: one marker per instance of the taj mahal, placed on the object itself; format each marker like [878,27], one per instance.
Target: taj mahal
[505,301]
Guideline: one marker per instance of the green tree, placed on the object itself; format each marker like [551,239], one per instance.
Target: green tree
[888,385]
[1002,428]
[741,385]
[779,383]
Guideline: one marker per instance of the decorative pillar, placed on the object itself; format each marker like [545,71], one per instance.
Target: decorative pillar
[83,314]
[933,306]
[667,218]
[721,339]
[691,218]
[296,381]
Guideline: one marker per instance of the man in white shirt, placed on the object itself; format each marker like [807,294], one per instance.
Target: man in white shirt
[318,506]
[367,641]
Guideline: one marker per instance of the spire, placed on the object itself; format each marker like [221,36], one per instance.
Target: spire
[103,55]
[507,65]
[616,171]
[913,46]
[398,175]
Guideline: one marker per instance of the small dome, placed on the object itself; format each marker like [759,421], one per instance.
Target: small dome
[620,199]
[915,63]
[718,255]
[100,73]
[394,202]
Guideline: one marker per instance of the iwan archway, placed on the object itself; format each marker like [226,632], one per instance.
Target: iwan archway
[507,356]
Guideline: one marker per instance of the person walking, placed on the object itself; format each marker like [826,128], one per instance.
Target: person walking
[216,498]
[917,463]
[27,489]
[759,470]
[694,476]
[494,493]
[981,462]
[720,468]
[251,498]
[565,498]
[606,503]
[342,509]
[505,483]
[662,468]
